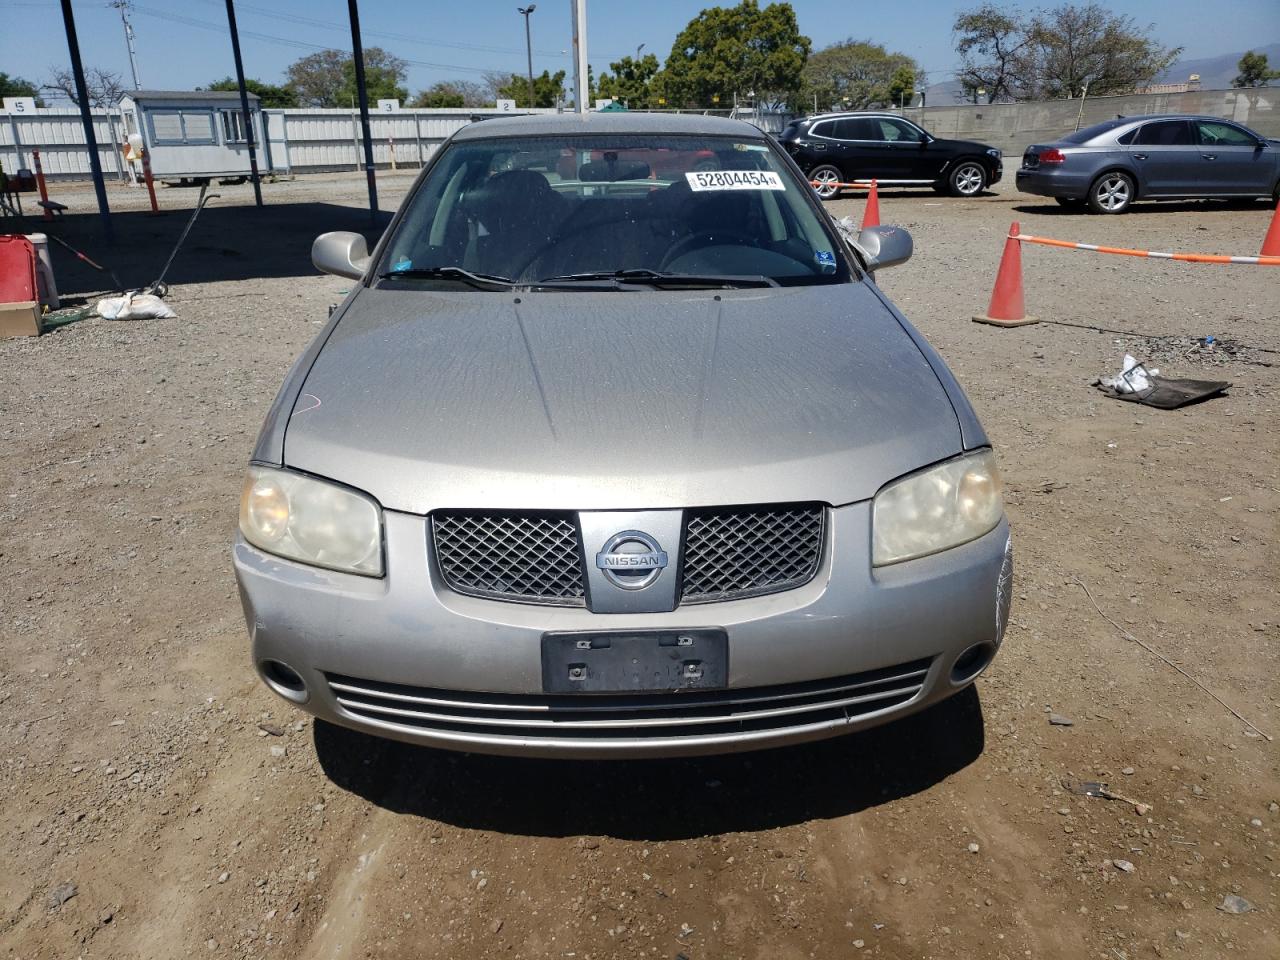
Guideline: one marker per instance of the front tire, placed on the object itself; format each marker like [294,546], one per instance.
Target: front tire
[826,177]
[1112,193]
[968,179]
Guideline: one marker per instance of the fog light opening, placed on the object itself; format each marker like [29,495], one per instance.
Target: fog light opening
[284,680]
[971,663]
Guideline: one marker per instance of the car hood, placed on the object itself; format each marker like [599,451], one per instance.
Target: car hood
[963,146]
[619,400]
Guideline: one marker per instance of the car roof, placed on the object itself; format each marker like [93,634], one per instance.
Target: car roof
[853,113]
[568,124]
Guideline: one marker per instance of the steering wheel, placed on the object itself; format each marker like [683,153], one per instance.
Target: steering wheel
[685,244]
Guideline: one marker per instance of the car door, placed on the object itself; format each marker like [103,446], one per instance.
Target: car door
[1233,161]
[906,152]
[864,149]
[1167,159]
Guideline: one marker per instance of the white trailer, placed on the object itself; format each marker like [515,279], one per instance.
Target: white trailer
[191,136]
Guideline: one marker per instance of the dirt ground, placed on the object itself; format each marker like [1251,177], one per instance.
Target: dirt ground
[159,802]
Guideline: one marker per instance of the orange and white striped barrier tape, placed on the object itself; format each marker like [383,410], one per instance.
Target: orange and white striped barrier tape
[847,186]
[1150,254]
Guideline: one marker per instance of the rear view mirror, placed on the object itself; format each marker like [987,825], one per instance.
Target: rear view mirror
[883,246]
[341,253]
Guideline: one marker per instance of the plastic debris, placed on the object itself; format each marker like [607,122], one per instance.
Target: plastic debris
[1233,904]
[134,306]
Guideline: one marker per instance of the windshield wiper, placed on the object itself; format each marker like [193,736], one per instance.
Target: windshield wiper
[481,281]
[657,278]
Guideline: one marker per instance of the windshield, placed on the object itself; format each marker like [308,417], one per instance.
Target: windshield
[583,209]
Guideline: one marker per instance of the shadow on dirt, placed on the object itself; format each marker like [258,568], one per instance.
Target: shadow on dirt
[1053,209]
[226,243]
[659,799]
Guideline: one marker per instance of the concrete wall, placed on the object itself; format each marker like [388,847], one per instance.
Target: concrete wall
[1014,126]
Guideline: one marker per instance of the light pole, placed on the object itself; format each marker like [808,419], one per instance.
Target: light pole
[528,46]
[638,49]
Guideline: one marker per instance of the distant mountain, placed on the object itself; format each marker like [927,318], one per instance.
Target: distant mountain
[1216,73]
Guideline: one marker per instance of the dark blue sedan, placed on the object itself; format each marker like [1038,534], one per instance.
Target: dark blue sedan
[1108,166]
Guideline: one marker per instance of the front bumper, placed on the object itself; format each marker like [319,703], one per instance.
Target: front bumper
[406,658]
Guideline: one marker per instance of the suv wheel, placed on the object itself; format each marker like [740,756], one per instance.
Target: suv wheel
[827,179]
[1111,193]
[968,179]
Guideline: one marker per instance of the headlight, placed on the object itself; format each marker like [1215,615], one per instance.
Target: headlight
[993,152]
[311,521]
[938,508]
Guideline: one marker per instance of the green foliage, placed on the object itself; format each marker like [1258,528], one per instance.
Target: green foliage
[548,88]
[1053,54]
[269,95]
[741,50]
[328,78]
[1075,45]
[857,74]
[630,81]
[12,86]
[1254,71]
[453,93]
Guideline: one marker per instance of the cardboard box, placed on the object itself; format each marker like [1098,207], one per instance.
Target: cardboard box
[21,319]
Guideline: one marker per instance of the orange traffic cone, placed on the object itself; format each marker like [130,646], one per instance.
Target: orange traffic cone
[1007,307]
[1271,245]
[871,215]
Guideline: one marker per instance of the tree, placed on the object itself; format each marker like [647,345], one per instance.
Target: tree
[1253,67]
[1074,45]
[629,81]
[856,74]
[994,52]
[1055,53]
[740,50]
[103,86]
[18,87]
[455,94]
[328,78]
[548,88]
[269,95]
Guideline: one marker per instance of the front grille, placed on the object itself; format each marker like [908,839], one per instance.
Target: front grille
[738,552]
[729,553]
[532,557]
[656,716]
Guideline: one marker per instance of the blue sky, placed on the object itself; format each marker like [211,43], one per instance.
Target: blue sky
[182,43]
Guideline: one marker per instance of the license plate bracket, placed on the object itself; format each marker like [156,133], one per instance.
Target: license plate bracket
[635,661]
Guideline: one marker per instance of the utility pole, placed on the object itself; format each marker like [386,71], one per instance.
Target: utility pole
[578,9]
[528,46]
[123,7]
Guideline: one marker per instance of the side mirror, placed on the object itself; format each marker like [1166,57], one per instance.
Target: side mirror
[883,246]
[341,253]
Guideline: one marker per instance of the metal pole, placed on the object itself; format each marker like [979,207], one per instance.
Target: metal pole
[244,105]
[123,7]
[579,12]
[91,140]
[357,53]
[528,45]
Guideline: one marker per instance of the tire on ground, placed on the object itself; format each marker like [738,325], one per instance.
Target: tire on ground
[1111,193]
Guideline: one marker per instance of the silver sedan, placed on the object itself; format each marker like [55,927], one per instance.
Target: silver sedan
[616,449]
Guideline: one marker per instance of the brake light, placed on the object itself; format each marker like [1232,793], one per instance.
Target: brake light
[1052,155]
